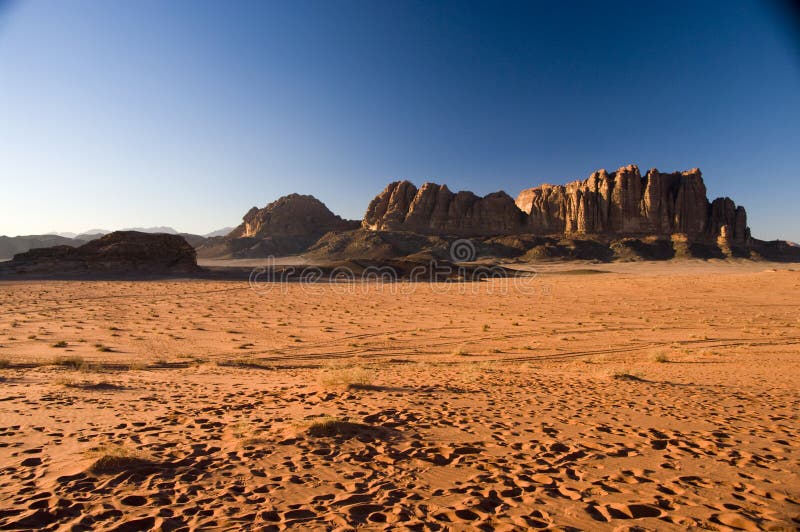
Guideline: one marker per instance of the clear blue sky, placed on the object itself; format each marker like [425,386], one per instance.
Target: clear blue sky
[187,113]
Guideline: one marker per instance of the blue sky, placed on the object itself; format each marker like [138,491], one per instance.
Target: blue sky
[187,113]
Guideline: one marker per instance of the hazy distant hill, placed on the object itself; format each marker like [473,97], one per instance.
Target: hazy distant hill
[219,232]
[11,245]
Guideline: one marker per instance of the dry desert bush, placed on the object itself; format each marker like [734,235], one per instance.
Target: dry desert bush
[114,458]
[71,362]
[661,358]
[350,378]
[329,426]
[249,363]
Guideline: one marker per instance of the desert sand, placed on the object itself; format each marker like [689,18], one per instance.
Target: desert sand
[653,396]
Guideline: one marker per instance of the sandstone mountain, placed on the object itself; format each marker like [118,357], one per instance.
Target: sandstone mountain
[621,203]
[286,226]
[626,203]
[434,209]
[120,252]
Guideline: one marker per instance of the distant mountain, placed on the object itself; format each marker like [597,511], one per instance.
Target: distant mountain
[219,232]
[11,245]
[161,229]
[93,233]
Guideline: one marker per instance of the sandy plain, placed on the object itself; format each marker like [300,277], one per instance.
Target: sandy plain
[651,396]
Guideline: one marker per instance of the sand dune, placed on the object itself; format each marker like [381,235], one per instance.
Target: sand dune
[642,397]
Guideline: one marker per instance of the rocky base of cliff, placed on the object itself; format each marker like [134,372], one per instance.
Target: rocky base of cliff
[384,245]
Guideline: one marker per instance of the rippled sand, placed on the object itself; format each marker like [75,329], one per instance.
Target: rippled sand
[657,396]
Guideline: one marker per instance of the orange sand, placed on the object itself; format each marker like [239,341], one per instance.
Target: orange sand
[658,396]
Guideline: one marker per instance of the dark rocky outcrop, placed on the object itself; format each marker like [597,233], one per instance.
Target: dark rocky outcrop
[286,226]
[121,252]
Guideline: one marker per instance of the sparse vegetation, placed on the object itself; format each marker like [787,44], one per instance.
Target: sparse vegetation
[626,375]
[352,378]
[89,385]
[60,344]
[5,363]
[245,363]
[71,362]
[331,426]
[661,358]
[115,458]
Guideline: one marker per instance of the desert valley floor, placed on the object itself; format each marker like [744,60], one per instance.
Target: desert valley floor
[650,396]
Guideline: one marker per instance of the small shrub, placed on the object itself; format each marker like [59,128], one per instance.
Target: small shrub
[60,344]
[72,362]
[5,363]
[332,427]
[661,358]
[348,378]
[253,363]
[625,375]
[89,385]
[114,458]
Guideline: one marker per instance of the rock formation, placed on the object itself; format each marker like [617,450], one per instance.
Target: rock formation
[621,203]
[287,226]
[292,215]
[121,252]
[625,203]
[434,209]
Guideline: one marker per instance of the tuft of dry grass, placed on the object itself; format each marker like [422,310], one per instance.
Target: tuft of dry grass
[5,363]
[71,362]
[115,458]
[60,344]
[89,385]
[352,378]
[461,352]
[661,358]
[626,375]
[329,426]
[249,363]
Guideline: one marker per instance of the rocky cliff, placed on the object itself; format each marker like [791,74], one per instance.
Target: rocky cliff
[434,209]
[626,203]
[612,204]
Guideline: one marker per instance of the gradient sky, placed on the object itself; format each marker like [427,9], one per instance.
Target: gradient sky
[187,113]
